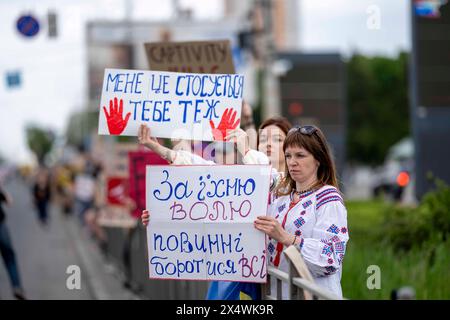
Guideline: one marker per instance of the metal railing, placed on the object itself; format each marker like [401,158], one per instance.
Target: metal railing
[301,285]
[127,247]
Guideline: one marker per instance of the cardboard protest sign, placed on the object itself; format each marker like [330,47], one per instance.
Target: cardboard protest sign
[201,222]
[174,105]
[117,190]
[115,187]
[138,160]
[191,57]
[116,211]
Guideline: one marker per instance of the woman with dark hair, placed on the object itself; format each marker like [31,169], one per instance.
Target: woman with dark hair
[308,211]
[270,138]
[272,133]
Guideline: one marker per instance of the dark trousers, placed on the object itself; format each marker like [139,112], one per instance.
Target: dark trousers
[42,207]
[8,256]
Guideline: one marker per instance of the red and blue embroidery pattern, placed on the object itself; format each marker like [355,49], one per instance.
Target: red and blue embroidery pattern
[327,250]
[332,246]
[334,229]
[300,245]
[330,270]
[335,239]
[270,248]
[299,222]
[340,247]
[306,204]
[326,196]
[304,195]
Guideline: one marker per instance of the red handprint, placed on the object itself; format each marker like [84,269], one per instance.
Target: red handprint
[116,124]
[226,123]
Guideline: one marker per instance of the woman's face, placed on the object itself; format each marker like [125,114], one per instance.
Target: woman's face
[301,164]
[271,140]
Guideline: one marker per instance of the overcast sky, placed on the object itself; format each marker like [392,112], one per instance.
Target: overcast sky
[54,70]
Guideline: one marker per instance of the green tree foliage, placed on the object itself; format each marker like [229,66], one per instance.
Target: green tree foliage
[429,223]
[378,107]
[80,126]
[40,141]
[83,124]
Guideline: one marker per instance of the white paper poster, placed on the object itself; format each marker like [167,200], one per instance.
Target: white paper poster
[174,105]
[201,222]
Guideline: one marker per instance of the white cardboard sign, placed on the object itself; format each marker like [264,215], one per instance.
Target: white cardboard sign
[174,105]
[193,56]
[201,222]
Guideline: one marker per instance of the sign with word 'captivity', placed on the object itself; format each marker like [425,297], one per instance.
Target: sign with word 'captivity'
[192,56]
[201,222]
[174,105]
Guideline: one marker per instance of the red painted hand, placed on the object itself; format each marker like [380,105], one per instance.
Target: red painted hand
[116,124]
[226,123]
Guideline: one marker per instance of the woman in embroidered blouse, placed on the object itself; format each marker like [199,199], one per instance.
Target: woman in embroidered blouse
[308,211]
[272,133]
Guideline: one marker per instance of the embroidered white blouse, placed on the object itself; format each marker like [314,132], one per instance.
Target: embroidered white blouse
[319,219]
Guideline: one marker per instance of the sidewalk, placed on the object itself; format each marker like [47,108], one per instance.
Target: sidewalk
[44,253]
[103,279]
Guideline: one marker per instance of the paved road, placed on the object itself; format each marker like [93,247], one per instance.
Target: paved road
[45,253]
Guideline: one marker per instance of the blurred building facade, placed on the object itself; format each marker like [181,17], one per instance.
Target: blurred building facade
[430,92]
[264,36]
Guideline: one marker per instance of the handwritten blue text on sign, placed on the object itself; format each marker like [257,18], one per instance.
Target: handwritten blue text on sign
[175,105]
[201,222]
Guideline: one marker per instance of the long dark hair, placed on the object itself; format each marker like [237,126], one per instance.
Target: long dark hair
[317,145]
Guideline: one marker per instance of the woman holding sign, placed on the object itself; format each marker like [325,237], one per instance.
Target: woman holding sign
[272,134]
[307,210]
[217,290]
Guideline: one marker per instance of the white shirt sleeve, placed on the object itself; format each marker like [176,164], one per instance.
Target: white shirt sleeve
[255,157]
[183,157]
[325,250]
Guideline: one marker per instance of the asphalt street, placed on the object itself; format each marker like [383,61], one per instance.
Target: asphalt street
[45,255]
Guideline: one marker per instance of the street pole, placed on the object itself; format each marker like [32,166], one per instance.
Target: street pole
[271,92]
[128,8]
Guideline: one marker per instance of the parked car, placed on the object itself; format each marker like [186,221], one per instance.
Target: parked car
[396,173]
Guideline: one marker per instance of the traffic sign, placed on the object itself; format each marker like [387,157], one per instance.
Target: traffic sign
[13,79]
[28,25]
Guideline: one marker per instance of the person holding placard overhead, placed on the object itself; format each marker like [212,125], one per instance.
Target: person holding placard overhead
[272,134]
[270,138]
[217,290]
[308,211]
